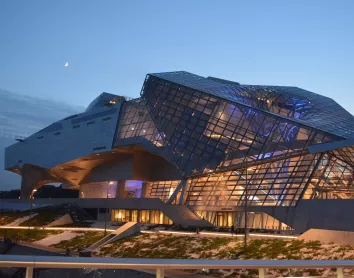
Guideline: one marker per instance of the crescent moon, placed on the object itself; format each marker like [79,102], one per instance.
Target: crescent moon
[66,64]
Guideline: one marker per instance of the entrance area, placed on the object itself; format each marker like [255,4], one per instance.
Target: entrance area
[142,216]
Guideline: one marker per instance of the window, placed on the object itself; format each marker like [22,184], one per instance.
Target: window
[76,126]
[99,148]
[142,216]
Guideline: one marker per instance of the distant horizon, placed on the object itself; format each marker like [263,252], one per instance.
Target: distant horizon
[83,106]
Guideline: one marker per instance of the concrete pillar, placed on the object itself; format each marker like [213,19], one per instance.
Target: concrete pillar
[29,272]
[33,177]
[160,273]
[121,193]
[145,190]
[261,273]
[30,176]
[26,187]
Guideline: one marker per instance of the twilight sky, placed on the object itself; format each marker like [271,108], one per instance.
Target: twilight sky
[111,45]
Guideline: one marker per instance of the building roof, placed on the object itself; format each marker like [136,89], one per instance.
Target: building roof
[297,104]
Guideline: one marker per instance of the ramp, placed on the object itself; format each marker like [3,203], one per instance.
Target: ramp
[128,229]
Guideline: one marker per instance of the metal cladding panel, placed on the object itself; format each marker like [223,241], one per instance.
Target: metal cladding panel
[66,140]
[303,106]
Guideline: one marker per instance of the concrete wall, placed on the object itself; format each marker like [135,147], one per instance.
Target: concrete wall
[120,169]
[150,167]
[63,220]
[137,165]
[328,236]
[98,190]
[315,214]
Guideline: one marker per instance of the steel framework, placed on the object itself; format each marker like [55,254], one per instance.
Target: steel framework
[215,131]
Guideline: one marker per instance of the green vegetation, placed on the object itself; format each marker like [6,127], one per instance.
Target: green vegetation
[49,214]
[26,235]
[83,240]
[197,247]
[43,217]
[183,247]
[8,217]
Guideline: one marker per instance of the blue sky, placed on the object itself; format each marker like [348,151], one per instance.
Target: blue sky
[111,45]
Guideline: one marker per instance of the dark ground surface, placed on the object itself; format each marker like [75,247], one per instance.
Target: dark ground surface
[68,273]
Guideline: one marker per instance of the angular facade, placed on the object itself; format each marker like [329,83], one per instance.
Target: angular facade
[208,145]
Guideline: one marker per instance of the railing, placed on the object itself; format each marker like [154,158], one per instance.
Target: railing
[160,265]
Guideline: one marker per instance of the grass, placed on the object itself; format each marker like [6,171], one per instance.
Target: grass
[49,214]
[178,247]
[168,247]
[43,217]
[186,247]
[26,235]
[8,217]
[83,240]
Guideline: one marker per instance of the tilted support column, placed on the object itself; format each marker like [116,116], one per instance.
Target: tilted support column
[180,187]
[121,193]
[32,178]
[145,190]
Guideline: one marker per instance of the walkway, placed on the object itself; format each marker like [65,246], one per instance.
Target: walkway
[172,232]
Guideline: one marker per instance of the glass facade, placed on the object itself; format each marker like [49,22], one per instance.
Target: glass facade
[162,189]
[233,142]
[135,122]
[206,133]
[255,220]
[142,216]
[278,183]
